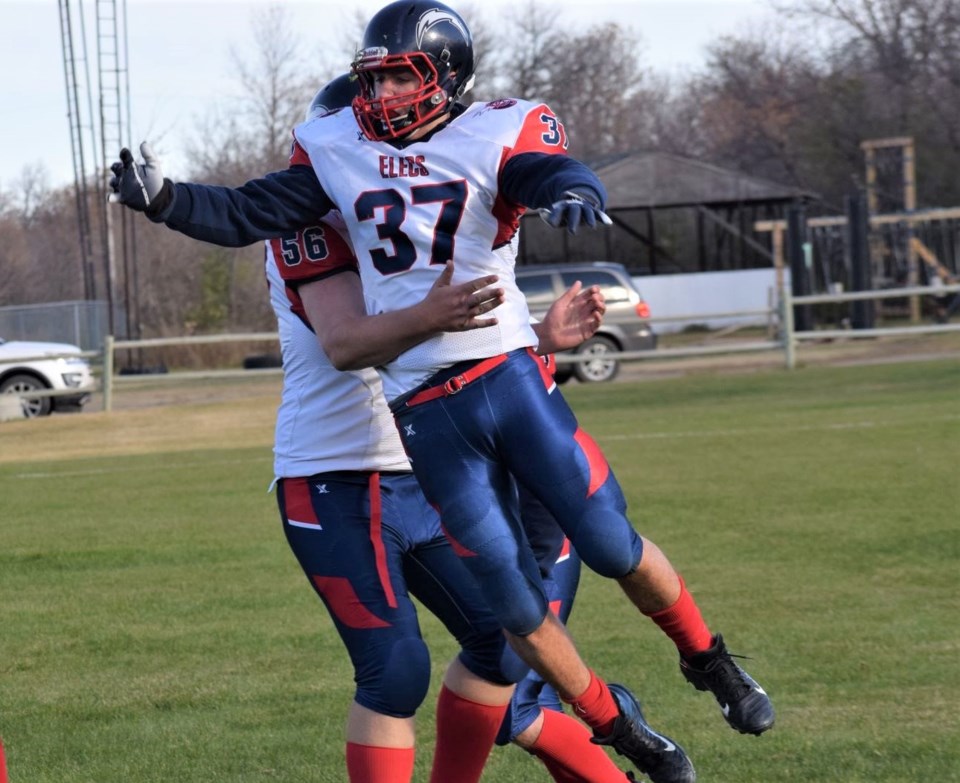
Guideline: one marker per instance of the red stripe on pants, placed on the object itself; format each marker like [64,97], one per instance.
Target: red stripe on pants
[376,538]
[599,469]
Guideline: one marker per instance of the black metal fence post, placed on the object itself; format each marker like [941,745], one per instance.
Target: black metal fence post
[862,312]
[797,258]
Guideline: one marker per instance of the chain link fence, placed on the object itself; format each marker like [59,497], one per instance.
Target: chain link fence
[80,323]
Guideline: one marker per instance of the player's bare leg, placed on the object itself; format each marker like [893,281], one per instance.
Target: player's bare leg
[367,727]
[655,585]
[379,747]
[468,685]
[657,590]
[550,651]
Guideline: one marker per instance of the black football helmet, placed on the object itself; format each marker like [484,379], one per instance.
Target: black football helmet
[336,94]
[429,38]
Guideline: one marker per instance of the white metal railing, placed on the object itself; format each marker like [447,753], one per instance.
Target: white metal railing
[790,337]
[766,312]
[111,346]
[675,353]
[786,341]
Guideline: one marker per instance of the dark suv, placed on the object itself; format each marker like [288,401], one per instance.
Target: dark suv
[625,326]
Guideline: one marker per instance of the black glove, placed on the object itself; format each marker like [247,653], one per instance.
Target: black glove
[140,186]
[573,208]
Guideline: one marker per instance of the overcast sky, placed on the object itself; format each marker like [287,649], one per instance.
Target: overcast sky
[179,60]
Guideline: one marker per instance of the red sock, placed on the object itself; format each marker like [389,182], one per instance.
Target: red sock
[596,706]
[566,751]
[465,734]
[369,764]
[558,773]
[682,623]
[3,765]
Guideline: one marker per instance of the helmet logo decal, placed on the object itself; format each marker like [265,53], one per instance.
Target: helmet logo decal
[432,18]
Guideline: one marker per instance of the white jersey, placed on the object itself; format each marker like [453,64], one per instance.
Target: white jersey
[409,210]
[328,420]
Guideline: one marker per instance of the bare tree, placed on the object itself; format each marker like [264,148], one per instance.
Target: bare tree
[592,79]
[597,89]
[250,133]
[15,260]
[529,47]
[669,117]
[904,56]
[755,93]
[273,85]
[239,140]
[39,252]
[31,188]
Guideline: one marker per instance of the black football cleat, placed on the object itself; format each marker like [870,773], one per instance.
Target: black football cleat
[656,756]
[744,704]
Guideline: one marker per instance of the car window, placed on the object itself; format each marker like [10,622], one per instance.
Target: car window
[538,289]
[612,288]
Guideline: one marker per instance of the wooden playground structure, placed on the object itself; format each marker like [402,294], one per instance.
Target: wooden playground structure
[906,247]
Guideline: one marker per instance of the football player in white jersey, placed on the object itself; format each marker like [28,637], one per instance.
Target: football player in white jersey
[421,180]
[367,539]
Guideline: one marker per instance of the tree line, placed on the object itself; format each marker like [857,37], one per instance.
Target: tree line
[790,103]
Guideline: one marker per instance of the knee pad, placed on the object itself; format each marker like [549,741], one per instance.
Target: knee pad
[491,658]
[402,682]
[526,612]
[607,543]
[513,590]
[514,668]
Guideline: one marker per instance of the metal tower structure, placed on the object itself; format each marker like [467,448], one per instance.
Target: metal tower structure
[112,60]
[114,123]
[71,60]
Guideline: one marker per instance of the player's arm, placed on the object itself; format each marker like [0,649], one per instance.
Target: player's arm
[538,179]
[537,174]
[258,210]
[231,217]
[565,191]
[352,339]
[573,318]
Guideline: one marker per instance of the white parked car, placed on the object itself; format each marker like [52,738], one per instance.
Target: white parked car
[25,368]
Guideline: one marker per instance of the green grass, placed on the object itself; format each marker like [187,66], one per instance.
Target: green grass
[155,627]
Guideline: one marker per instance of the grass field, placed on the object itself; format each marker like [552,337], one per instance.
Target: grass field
[154,626]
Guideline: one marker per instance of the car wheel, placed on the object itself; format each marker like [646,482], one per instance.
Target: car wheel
[597,367]
[32,406]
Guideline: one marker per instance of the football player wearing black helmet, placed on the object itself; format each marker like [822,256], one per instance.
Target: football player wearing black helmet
[431,46]
[336,94]
[422,185]
[380,736]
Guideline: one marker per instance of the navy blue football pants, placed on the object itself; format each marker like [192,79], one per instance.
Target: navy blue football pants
[367,542]
[467,447]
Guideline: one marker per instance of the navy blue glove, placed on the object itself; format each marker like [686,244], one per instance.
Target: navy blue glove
[573,209]
[140,186]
